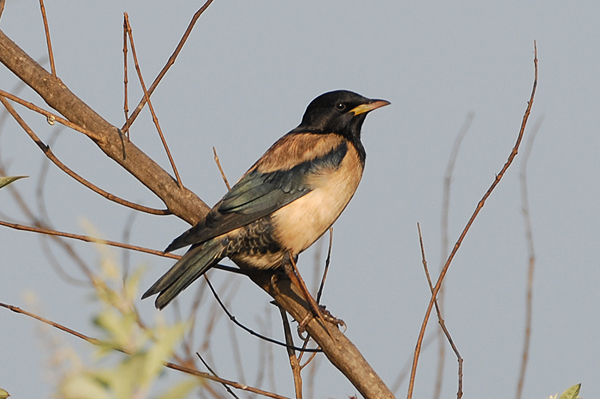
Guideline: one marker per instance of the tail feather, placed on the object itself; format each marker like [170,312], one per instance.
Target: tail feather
[190,267]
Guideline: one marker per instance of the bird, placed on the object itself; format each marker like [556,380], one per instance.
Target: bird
[288,199]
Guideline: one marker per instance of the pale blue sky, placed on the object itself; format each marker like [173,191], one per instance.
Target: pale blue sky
[244,79]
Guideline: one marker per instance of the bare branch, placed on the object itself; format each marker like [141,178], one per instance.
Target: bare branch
[49,115]
[294,363]
[327,262]
[440,318]
[480,205]
[339,350]
[48,152]
[444,247]
[215,374]
[179,200]
[168,65]
[147,96]
[125,78]
[531,258]
[40,224]
[218,162]
[51,232]
[48,42]
[248,330]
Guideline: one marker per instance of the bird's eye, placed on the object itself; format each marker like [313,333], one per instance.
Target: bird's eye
[340,106]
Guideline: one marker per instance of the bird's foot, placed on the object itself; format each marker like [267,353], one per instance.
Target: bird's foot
[325,315]
[331,318]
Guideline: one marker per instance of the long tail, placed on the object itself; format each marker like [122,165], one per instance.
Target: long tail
[191,266]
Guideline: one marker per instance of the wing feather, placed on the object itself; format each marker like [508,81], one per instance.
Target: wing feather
[259,193]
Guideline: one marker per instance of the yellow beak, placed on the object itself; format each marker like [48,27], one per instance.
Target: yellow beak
[370,106]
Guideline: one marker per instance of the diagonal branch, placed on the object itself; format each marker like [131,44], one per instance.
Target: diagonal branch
[441,321]
[168,65]
[49,115]
[50,155]
[179,200]
[480,205]
[147,97]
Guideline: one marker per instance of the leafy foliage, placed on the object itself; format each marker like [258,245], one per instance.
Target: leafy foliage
[143,350]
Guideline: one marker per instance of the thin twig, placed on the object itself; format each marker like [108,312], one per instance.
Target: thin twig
[395,386]
[125,79]
[80,237]
[58,266]
[480,205]
[440,318]
[43,230]
[43,220]
[125,239]
[248,330]
[147,96]
[49,43]
[48,152]
[444,247]
[294,363]
[312,372]
[237,353]
[170,365]
[40,224]
[294,274]
[531,258]
[50,116]
[327,262]
[313,355]
[168,65]
[215,374]
[218,162]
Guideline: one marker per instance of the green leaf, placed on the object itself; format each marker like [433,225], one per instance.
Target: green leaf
[181,390]
[5,181]
[3,394]
[132,284]
[166,339]
[84,386]
[121,332]
[571,393]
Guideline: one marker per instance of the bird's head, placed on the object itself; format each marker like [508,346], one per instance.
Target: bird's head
[342,112]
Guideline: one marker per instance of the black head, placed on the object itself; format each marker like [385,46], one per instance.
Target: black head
[342,112]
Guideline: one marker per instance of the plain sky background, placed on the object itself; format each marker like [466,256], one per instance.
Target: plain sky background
[244,79]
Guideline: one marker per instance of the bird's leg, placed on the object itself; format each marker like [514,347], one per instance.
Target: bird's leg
[294,275]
